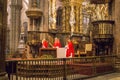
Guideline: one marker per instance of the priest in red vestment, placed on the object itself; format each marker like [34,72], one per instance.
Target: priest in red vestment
[57,43]
[70,49]
[44,43]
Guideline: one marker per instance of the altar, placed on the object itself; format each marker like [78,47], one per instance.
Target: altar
[61,53]
[52,52]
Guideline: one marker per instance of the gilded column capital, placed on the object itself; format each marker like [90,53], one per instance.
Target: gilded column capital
[72,2]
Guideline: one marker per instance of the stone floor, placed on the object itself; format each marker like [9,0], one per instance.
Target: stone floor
[112,76]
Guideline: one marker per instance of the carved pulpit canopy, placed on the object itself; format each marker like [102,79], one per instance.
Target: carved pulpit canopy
[72,2]
[34,11]
[100,1]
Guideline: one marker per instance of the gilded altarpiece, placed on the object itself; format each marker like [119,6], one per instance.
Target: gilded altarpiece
[72,16]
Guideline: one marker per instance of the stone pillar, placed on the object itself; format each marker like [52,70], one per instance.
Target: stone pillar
[117,26]
[16,6]
[18,22]
[42,7]
[45,12]
[44,23]
[3,27]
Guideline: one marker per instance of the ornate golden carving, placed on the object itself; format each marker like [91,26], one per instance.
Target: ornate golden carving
[72,2]
[81,18]
[100,1]
[67,18]
[77,19]
[52,14]
[98,12]
[63,20]
[72,19]
[72,14]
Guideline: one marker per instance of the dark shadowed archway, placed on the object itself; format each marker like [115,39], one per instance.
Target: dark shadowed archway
[3,26]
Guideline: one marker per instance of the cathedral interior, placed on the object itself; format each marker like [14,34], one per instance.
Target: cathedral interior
[86,22]
[91,25]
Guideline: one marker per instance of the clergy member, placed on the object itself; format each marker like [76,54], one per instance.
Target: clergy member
[44,43]
[57,43]
[69,49]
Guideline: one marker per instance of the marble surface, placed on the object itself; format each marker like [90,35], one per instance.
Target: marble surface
[112,76]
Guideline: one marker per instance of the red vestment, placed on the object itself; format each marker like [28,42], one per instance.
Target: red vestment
[44,44]
[57,43]
[70,49]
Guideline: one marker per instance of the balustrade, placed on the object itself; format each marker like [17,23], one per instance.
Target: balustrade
[59,68]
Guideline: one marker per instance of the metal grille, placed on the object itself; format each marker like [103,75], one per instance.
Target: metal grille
[59,69]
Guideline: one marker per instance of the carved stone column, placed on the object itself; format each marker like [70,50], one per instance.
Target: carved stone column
[46,16]
[116,13]
[16,6]
[18,22]
[3,27]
